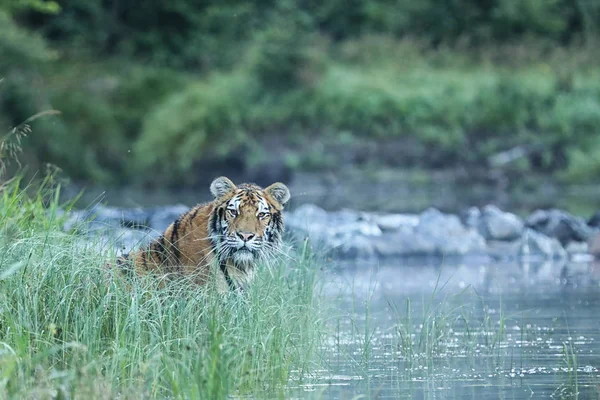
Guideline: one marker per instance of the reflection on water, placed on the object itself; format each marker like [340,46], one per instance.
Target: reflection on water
[489,331]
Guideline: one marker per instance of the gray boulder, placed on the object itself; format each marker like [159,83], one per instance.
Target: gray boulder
[447,234]
[161,217]
[358,235]
[495,224]
[404,243]
[577,248]
[594,244]
[347,233]
[394,222]
[594,221]
[100,217]
[560,225]
[532,245]
[536,243]
[124,217]
[352,234]
[472,217]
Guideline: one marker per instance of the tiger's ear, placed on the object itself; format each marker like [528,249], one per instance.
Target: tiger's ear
[221,186]
[279,192]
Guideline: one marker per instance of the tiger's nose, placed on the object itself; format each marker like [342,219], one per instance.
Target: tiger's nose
[245,236]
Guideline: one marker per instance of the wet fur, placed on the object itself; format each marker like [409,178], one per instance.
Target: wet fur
[203,241]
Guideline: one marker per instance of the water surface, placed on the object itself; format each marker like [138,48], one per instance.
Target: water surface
[496,331]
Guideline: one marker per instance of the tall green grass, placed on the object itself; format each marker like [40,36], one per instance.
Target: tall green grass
[447,327]
[71,328]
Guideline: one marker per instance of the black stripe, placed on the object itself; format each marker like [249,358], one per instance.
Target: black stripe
[194,215]
[124,265]
[223,267]
[159,248]
[214,220]
[277,226]
[174,239]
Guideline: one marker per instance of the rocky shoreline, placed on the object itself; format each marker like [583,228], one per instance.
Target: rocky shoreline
[480,235]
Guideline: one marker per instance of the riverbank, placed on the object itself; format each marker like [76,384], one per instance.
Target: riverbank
[485,234]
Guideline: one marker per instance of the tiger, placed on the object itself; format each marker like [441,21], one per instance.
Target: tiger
[224,239]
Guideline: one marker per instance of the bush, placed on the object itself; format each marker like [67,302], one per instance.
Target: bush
[468,113]
[204,120]
[19,47]
[183,33]
[286,55]
[101,109]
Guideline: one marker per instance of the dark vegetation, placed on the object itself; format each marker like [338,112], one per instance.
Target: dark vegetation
[156,93]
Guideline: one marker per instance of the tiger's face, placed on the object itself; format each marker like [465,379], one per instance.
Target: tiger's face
[247,223]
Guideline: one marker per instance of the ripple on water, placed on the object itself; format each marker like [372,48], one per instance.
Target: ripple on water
[541,337]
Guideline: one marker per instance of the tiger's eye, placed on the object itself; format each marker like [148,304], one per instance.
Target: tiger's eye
[232,212]
[262,215]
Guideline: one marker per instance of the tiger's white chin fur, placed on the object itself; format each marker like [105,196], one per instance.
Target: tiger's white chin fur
[243,257]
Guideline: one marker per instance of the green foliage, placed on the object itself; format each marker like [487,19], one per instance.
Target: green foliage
[204,119]
[184,33]
[177,33]
[584,164]
[286,55]
[19,47]
[11,6]
[101,112]
[469,113]
[469,77]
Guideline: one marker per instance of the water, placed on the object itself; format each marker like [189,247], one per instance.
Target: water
[495,331]
[384,191]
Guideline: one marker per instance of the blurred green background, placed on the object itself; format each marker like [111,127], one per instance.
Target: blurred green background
[168,93]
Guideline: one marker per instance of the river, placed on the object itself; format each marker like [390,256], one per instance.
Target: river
[460,331]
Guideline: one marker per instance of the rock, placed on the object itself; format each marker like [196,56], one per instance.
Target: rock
[393,222]
[352,234]
[495,224]
[100,217]
[504,249]
[356,247]
[472,217]
[447,234]
[560,225]
[359,235]
[306,216]
[76,220]
[577,248]
[405,243]
[594,244]
[594,221]
[162,217]
[537,243]
[347,233]
[532,245]
[125,217]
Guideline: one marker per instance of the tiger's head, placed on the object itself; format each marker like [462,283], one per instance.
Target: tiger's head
[246,224]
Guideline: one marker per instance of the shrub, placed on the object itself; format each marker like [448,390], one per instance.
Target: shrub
[203,120]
